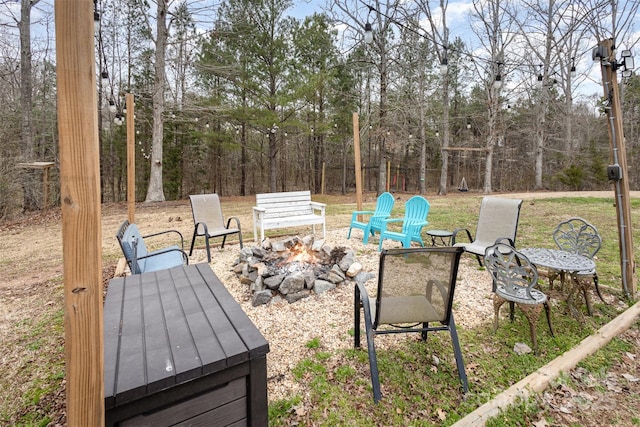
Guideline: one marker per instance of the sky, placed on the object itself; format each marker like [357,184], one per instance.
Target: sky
[589,72]
[457,18]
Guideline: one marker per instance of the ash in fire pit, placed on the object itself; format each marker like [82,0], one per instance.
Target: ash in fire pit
[295,268]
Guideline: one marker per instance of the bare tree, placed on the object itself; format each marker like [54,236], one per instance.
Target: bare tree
[437,19]
[384,14]
[493,26]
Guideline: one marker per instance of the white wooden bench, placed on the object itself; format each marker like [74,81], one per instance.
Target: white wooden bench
[287,209]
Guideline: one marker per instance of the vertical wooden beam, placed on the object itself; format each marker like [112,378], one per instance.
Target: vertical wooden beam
[45,188]
[388,174]
[356,154]
[81,224]
[322,182]
[131,159]
[619,157]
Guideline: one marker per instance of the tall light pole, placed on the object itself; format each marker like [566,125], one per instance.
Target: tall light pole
[618,172]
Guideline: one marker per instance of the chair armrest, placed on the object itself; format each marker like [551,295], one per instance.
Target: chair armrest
[455,234]
[505,240]
[356,213]
[164,251]
[388,220]
[440,288]
[167,232]
[362,295]
[259,209]
[237,221]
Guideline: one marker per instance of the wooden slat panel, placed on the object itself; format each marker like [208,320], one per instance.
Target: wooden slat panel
[250,335]
[209,325]
[202,404]
[131,379]
[186,359]
[159,359]
[222,416]
[112,318]
[284,196]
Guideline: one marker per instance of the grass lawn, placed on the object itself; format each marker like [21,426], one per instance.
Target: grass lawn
[418,391]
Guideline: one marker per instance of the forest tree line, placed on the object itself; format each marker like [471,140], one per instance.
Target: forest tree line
[239,97]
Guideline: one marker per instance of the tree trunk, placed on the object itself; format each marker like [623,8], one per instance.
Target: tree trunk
[273,163]
[155,192]
[444,168]
[29,179]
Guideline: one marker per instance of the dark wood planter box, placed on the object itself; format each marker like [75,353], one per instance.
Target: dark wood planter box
[179,349]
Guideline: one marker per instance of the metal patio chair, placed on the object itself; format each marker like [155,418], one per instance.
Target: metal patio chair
[209,222]
[577,236]
[415,289]
[498,220]
[514,280]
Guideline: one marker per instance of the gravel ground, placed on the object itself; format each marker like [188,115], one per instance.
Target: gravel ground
[329,316]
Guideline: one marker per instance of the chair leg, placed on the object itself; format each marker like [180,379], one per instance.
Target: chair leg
[595,282]
[497,303]
[424,332]
[240,238]
[224,239]
[349,234]
[206,240]
[373,365]
[371,348]
[547,310]
[532,313]
[458,354]
[479,260]
[512,310]
[587,298]
[356,318]
[193,241]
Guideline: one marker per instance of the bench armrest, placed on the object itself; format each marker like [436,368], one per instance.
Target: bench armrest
[318,206]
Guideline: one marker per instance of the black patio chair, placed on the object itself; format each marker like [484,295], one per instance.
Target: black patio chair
[415,289]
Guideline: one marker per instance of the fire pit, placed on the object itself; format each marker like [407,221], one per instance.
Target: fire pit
[295,268]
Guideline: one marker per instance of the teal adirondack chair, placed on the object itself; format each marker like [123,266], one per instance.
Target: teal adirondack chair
[415,217]
[384,204]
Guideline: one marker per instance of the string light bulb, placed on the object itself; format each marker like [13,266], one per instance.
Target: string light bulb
[497,83]
[368,33]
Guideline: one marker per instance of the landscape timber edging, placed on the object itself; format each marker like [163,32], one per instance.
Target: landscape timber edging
[540,379]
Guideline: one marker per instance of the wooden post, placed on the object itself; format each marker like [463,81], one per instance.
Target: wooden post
[131,159]
[356,154]
[45,166]
[322,180]
[388,173]
[619,157]
[81,222]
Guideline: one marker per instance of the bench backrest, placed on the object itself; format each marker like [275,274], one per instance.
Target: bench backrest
[287,204]
[132,245]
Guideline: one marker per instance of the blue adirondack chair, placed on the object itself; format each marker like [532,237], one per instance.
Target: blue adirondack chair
[384,204]
[415,217]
